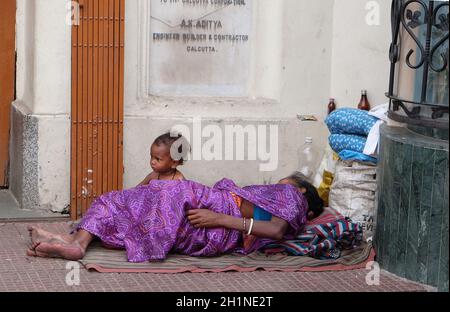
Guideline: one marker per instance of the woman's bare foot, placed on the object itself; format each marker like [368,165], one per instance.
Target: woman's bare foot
[31,252]
[49,245]
[56,248]
[39,236]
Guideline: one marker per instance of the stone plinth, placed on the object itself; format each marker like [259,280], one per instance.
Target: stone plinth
[412,231]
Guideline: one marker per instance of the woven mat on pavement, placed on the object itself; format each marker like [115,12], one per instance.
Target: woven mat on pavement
[105,260]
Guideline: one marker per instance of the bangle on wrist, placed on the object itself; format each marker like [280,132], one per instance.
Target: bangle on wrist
[251,226]
[245,225]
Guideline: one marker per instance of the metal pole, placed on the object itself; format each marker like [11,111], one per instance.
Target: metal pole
[426,65]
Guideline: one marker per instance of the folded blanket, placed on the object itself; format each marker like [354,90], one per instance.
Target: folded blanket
[322,241]
[350,121]
[341,142]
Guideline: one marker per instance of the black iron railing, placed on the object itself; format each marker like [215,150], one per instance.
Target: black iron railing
[419,55]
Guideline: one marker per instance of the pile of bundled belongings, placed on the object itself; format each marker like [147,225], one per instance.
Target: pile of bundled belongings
[346,181]
[347,177]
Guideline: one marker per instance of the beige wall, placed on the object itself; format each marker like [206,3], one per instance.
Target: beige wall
[360,57]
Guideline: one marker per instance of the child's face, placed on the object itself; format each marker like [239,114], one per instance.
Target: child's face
[160,160]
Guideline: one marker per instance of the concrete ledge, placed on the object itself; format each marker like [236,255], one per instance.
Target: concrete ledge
[11,212]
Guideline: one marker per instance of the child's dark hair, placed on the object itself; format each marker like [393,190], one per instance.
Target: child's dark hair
[315,203]
[168,139]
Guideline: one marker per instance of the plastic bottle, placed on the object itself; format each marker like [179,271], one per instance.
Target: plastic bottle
[307,159]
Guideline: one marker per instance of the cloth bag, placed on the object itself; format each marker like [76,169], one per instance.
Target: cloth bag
[353,194]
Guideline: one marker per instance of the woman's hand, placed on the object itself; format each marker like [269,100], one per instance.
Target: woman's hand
[204,218]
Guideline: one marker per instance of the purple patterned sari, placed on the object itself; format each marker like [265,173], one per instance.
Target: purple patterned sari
[150,221]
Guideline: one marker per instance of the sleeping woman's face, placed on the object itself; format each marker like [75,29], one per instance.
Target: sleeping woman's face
[303,190]
[292,182]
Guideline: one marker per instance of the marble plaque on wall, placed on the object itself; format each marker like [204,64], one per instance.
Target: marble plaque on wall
[200,47]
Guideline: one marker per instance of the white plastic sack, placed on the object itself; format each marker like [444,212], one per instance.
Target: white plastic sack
[327,164]
[353,194]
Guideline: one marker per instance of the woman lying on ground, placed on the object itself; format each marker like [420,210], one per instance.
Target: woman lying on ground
[187,218]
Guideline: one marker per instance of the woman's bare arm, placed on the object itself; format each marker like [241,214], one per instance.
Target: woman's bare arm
[203,218]
[274,229]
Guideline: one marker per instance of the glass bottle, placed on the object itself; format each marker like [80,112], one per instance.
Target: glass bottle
[364,102]
[307,159]
[331,106]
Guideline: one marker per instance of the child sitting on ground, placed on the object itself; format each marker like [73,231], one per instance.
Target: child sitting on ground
[163,162]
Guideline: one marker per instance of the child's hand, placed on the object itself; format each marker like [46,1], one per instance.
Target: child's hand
[204,218]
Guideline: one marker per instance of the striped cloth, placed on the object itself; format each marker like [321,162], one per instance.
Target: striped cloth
[322,241]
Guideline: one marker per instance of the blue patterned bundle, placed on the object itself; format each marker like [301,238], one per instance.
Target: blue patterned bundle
[349,142]
[349,129]
[350,121]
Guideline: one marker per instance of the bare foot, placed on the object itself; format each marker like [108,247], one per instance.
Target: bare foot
[39,236]
[31,252]
[50,245]
[56,248]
